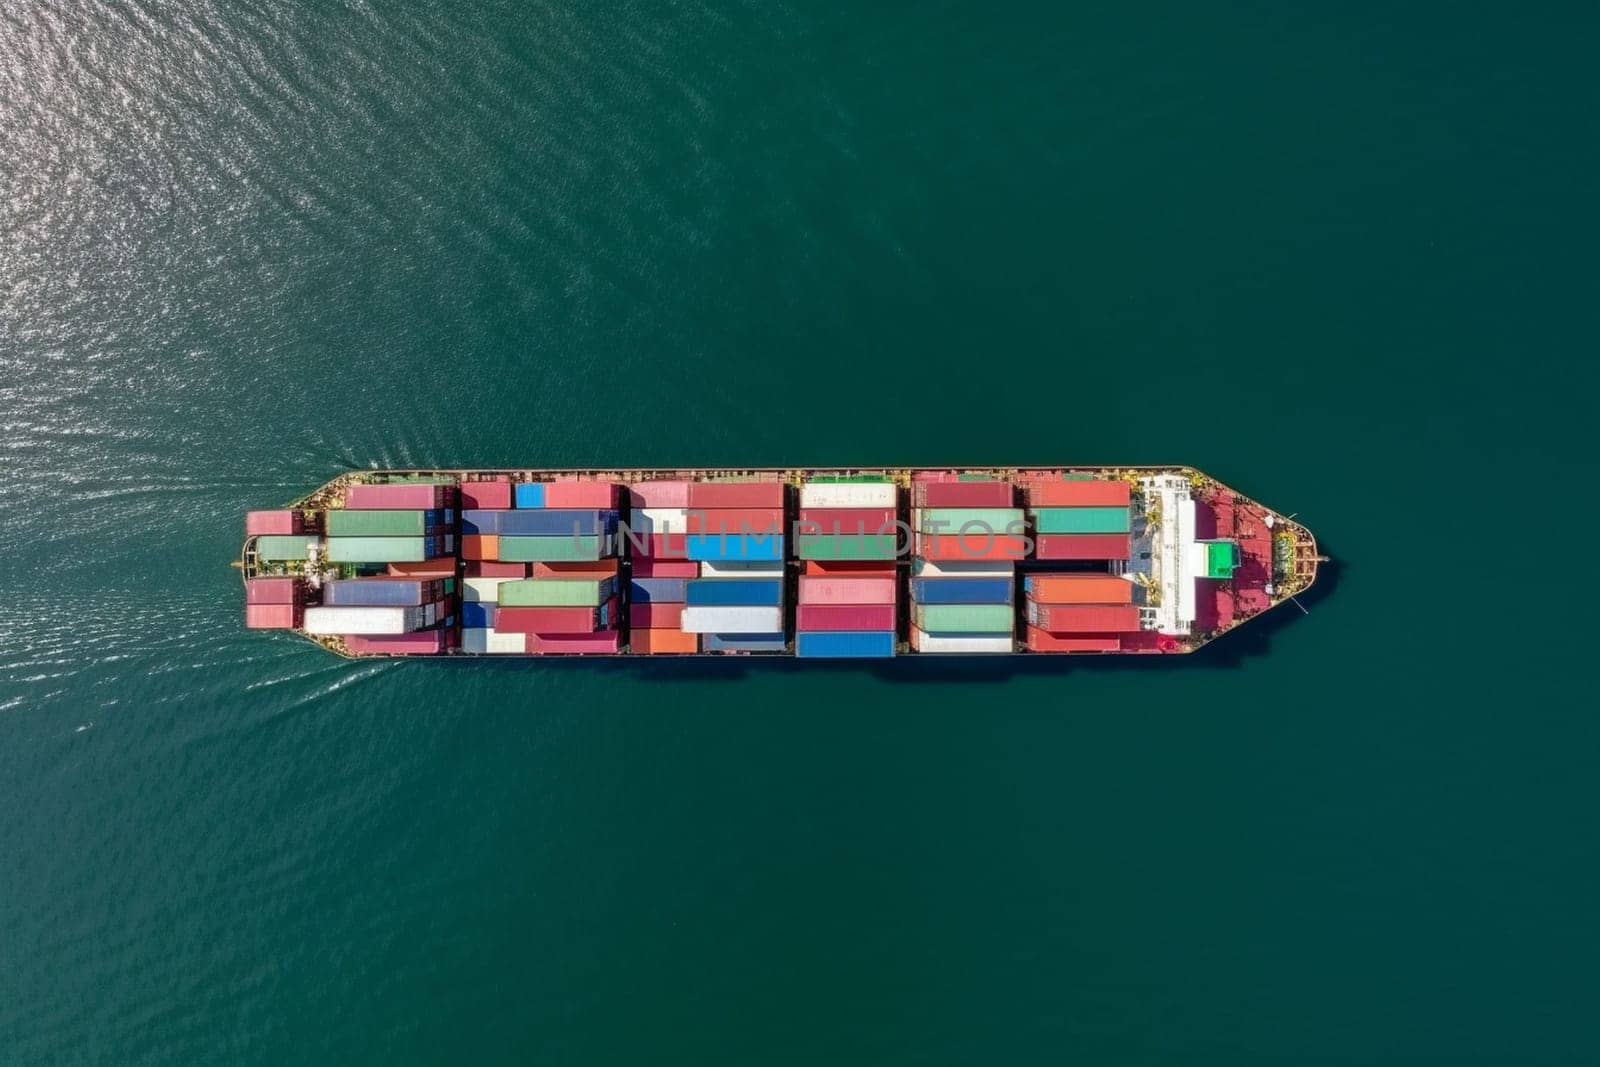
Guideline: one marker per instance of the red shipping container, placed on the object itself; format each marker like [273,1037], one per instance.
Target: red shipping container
[1044,641]
[420,643]
[851,568]
[735,495]
[1084,618]
[601,568]
[659,494]
[274,591]
[480,547]
[656,615]
[844,617]
[273,522]
[644,567]
[404,497]
[962,495]
[975,547]
[815,589]
[1078,494]
[444,567]
[486,495]
[848,520]
[546,620]
[1082,546]
[662,546]
[272,616]
[655,642]
[736,521]
[581,493]
[607,642]
[491,569]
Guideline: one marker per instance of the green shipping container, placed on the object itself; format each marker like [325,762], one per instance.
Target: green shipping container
[285,546]
[996,519]
[377,549]
[965,618]
[555,593]
[564,548]
[344,523]
[846,546]
[1080,520]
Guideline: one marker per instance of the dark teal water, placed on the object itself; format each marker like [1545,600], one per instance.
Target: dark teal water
[1341,256]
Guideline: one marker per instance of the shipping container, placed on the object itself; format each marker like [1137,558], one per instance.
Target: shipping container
[737,568]
[735,495]
[700,619]
[557,592]
[845,617]
[483,590]
[1078,589]
[962,590]
[653,590]
[494,495]
[605,643]
[481,641]
[528,494]
[974,547]
[658,546]
[383,549]
[962,644]
[659,520]
[1083,618]
[731,592]
[1077,493]
[645,567]
[477,614]
[850,568]
[273,616]
[546,620]
[480,547]
[331,620]
[1082,546]
[962,495]
[429,568]
[659,616]
[1080,520]
[1044,641]
[595,568]
[283,521]
[953,520]
[420,643]
[482,522]
[821,590]
[582,493]
[662,642]
[547,549]
[346,523]
[732,547]
[401,497]
[849,495]
[380,592]
[933,568]
[847,520]
[964,618]
[557,522]
[662,494]
[844,644]
[735,521]
[847,546]
[494,569]
[773,642]
[274,591]
[278,547]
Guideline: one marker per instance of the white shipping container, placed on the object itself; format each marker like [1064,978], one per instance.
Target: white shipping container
[923,641]
[698,619]
[848,495]
[329,620]
[978,568]
[483,590]
[659,520]
[481,640]
[742,569]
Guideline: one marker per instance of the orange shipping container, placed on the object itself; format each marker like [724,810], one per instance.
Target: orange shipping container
[1079,589]
[1041,641]
[603,568]
[1095,494]
[656,642]
[854,568]
[973,548]
[480,546]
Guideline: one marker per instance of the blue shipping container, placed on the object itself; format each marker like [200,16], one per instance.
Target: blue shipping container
[474,521]
[530,494]
[730,592]
[556,522]
[743,642]
[479,615]
[961,590]
[657,590]
[372,593]
[719,548]
[836,644]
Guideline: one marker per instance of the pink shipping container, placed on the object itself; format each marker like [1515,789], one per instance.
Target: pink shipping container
[487,496]
[421,643]
[398,497]
[962,495]
[608,641]
[819,590]
[273,616]
[735,495]
[274,591]
[273,522]
[579,493]
[659,494]
[1082,546]
[811,617]
[645,567]
[657,616]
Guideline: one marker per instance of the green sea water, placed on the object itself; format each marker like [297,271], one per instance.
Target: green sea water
[1339,256]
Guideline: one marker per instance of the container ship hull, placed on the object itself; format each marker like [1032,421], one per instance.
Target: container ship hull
[803,562]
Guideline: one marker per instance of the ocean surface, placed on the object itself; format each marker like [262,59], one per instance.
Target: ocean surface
[1340,256]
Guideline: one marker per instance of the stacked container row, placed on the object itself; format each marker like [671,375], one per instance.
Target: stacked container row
[735,532]
[658,521]
[1080,518]
[1079,612]
[405,616]
[849,594]
[274,603]
[964,571]
[392,523]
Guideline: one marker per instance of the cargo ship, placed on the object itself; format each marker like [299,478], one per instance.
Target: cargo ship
[809,562]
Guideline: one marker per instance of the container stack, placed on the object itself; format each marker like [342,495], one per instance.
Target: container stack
[480,600]
[274,603]
[285,548]
[1079,612]
[394,523]
[564,521]
[849,594]
[736,533]
[401,616]
[280,522]
[848,520]
[1080,518]
[658,522]
[968,539]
